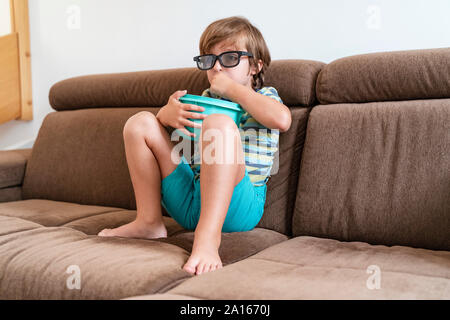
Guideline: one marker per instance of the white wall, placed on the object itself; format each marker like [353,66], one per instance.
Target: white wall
[5,18]
[77,37]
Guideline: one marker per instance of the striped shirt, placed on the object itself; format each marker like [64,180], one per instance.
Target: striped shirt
[259,143]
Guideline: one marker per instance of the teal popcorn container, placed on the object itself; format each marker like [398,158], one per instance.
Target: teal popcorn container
[212,106]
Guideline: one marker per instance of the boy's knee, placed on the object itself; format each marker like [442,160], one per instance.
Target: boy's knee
[142,121]
[219,121]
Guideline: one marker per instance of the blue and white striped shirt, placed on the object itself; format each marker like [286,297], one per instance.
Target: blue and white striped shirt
[259,142]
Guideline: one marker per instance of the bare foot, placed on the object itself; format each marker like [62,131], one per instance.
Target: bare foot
[204,258]
[136,229]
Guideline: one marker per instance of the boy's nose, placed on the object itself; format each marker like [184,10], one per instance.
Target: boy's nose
[217,65]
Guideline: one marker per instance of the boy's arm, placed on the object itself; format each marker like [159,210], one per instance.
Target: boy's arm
[267,111]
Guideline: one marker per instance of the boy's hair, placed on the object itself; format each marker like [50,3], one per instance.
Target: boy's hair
[238,31]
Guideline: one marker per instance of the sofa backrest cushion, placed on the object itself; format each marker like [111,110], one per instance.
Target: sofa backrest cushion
[378,173]
[282,185]
[386,76]
[295,81]
[79,156]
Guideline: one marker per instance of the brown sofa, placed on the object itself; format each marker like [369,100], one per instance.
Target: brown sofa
[359,207]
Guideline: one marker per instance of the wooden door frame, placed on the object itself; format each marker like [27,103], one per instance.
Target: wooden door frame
[15,66]
[20,24]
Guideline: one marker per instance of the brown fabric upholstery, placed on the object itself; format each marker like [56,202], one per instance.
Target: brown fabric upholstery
[11,224]
[282,185]
[314,268]
[10,194]
[12,172]
[79,157]
[295,80]
[58,213]
[92,219]
[34,264]
[129,89]
[12,167]
[377,173]
[384,76]
[40,239]
[234,246]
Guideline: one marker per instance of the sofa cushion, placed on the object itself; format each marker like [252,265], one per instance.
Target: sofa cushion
[35,264]
[314,268]
[79,157]
[383,76]
[11,224]
[295,81]
[377,173]
[42,238]
[11,194]
[12,167]
[53,213]
[128,89]
[282,185]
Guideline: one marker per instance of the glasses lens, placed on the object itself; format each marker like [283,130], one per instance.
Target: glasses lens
[230,59]
[205,62]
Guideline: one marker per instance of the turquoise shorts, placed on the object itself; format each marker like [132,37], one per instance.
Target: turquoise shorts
[180,196]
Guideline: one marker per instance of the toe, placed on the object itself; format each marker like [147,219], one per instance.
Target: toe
[190,266]
[205,267]
[103,233]
[200,268]
[189,269]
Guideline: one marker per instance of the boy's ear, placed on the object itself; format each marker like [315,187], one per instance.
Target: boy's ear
[260,65]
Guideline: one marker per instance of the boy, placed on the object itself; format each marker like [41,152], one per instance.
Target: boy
[230,196]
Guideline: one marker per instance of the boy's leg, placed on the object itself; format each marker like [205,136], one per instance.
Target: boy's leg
[148,153]
[217,182]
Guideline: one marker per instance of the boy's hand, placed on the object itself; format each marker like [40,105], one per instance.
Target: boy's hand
[221,84]
[176,114]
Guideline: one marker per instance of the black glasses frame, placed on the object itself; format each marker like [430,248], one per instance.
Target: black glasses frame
[240,54]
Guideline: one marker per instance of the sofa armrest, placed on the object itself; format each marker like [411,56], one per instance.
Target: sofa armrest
[12,172]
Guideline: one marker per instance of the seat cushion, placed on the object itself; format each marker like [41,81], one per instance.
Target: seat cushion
[40,239]
[315,268]
[36,264]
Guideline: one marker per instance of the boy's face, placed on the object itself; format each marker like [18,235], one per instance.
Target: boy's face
[242,73]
